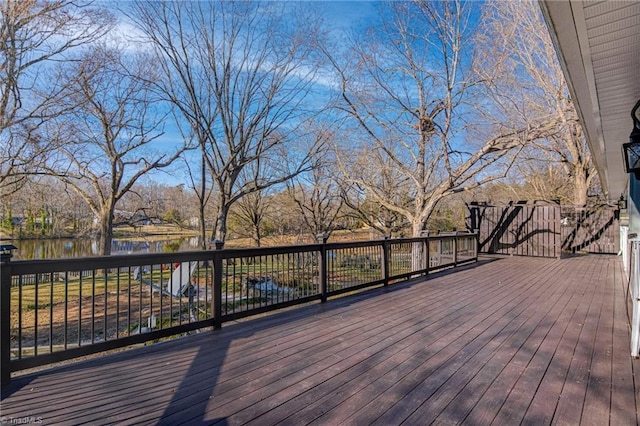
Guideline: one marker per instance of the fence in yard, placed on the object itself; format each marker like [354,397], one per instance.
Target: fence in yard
[595,230]
[54,310]
[544,229]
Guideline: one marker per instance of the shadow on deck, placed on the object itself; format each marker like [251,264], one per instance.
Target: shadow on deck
[509,341]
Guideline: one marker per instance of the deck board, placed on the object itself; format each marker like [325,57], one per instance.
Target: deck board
[419,338]
[370,403]
[625,394]
[509,341]
[552,330]
[589,360]
[459,399]
[450,376]
[566,363]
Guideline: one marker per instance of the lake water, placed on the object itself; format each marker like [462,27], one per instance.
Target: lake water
[65,248]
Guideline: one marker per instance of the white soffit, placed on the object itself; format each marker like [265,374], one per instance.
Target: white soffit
[598,43]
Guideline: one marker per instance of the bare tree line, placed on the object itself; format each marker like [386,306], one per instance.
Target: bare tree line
[278,118]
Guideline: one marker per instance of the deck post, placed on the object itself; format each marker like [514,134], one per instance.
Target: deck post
[455,251]
[385,260]
[217,285]
[322,266]
[425,251]
[477,241]
[5,317]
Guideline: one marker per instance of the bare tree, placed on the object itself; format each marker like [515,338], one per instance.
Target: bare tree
[521,55]
[390,188]
[412,89]
[33,34]
[250,214]
[317,197]
[285,220]
[104,141]
[199,184]
[545,182]
[239,74]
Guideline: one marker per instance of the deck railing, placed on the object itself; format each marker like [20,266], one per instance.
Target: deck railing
[633,290]
[54,310]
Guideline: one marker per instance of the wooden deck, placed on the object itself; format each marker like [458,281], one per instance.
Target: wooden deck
[510,341]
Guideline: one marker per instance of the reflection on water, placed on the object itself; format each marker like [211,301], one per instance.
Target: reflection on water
[63,248]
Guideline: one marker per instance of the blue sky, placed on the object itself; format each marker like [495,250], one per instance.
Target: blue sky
[347,15]
[340,17]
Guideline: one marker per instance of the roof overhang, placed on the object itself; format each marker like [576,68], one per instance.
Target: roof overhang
[598,45]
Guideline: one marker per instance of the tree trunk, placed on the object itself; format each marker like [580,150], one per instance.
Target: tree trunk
[106,231]
[257,235]
[581,187]
[220,228]
[203,227]
[202,201]
[417,249]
